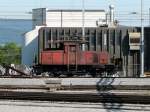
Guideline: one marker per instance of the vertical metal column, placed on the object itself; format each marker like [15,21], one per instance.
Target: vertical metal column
[142,42]
[149,16]
[51,38]
[83,23]
[96,40]
[61,19]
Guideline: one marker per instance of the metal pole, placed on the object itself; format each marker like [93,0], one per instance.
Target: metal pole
[142,42]
[149,16]
[40,3]
[83,23]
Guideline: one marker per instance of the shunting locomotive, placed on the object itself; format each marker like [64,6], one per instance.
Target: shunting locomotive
[65,57]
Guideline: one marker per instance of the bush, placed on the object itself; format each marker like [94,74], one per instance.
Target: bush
[10,53]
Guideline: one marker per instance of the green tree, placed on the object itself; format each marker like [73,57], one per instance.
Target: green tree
[10,53]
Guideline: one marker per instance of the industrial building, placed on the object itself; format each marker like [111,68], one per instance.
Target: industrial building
[68,18]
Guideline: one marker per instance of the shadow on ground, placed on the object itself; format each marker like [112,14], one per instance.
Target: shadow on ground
[110,101]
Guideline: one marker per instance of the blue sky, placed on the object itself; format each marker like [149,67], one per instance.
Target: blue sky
[123,8]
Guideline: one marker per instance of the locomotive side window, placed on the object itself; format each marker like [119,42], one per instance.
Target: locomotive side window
[49,44]
[72,48]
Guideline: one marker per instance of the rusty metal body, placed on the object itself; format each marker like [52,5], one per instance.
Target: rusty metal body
[70,59]
[72,55]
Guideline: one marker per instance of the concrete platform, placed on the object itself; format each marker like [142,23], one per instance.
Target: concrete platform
[106,81]
[77,83]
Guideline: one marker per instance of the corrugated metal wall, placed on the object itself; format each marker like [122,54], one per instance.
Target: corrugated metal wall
[147,48]
[113,40]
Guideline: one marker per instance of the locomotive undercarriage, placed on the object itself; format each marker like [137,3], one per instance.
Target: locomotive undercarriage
[74,71]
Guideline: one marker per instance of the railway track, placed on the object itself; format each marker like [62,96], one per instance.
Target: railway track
[76,90]
[103,97]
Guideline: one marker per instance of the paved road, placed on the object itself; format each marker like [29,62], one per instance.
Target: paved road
[39,106]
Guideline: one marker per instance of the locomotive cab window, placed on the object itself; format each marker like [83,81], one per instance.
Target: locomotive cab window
[53,46]
[72,48]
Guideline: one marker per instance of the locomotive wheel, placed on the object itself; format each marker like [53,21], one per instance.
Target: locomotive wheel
[88,75]
[51,75]
[75,76]
[62,76]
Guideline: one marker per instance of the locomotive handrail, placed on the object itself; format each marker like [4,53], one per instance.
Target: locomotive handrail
[62,41]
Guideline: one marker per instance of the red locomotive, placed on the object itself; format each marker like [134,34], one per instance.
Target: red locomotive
[68,59]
